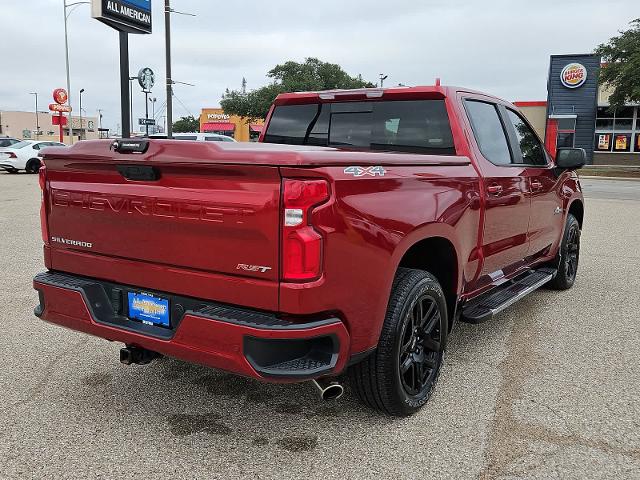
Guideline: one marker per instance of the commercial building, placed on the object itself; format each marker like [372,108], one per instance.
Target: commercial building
[214,120]
[577,114]
[22,125]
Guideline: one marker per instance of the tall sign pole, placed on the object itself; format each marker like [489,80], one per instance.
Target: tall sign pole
[60,97]
[167,39]
[126,16]
[125,118]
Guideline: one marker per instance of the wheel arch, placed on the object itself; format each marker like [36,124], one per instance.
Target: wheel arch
[437,255]
[576,208]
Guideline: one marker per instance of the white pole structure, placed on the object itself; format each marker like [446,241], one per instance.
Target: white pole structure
[66,54]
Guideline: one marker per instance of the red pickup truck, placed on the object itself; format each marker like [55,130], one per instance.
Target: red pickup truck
[350,240]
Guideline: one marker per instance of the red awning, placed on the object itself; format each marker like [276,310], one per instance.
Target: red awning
[218,127]
[256,127]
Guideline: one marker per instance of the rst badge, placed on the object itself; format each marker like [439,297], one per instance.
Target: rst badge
[362,171]
[252,268]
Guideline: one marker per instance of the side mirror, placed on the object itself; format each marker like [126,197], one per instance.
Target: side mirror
[571,158]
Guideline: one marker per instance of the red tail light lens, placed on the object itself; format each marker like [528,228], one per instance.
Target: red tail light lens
[301,243]
[44,228]
[12,155]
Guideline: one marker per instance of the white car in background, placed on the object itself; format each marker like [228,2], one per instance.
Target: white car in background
[198,137]
[24,155]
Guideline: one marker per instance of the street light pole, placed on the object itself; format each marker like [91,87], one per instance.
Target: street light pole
[65,6]
[167,39]
[81,131]
[37,122]
[66,54]
[146,112]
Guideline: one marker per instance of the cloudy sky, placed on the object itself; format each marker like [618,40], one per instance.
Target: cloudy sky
[499,46]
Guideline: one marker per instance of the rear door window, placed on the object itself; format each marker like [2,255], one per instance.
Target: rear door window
[420,126]
[489,131]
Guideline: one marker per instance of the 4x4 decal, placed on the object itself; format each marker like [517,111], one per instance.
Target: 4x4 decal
[362,171]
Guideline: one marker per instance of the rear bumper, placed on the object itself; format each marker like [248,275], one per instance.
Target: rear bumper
[236,340]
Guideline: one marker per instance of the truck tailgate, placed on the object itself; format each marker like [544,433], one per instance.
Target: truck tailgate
[208,219]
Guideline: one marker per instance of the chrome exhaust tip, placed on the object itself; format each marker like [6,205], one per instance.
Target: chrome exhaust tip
[328,389]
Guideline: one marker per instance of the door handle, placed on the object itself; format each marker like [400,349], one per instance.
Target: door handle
[536,185]
[494,189]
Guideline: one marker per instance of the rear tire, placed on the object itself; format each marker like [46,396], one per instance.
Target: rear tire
[33,166]
[568,256]
[399,377]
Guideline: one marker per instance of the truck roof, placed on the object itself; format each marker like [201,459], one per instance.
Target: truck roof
[391,93]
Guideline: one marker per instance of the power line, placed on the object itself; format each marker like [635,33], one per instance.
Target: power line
[183,105]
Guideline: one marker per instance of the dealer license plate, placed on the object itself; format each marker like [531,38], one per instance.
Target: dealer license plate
[149,309]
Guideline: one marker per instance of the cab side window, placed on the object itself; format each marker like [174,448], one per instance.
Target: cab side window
[489,132]
[532,150]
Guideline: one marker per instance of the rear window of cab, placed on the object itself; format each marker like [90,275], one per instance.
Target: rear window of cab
[417,126]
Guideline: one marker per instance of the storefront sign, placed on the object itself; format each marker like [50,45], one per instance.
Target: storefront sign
[146,79]
[217,116]
[60,96]
[56,107]
[573,75]
[132,16]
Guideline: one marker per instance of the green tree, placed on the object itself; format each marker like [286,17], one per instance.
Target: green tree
[621,71]
[312,74]
[186,125]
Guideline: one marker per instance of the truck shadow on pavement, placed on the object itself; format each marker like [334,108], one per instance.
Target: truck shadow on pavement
[202,401]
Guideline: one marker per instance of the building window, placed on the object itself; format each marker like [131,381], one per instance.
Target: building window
[616,130]
[565,139]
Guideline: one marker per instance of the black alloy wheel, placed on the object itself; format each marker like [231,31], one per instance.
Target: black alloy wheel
[573,252]
[568,256]
[419,354]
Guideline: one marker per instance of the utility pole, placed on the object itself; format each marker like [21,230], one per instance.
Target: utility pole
[99,117]
[383,77]
[37,121]
[167,39]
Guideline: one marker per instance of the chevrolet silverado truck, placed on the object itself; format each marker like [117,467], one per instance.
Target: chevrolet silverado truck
[346,244]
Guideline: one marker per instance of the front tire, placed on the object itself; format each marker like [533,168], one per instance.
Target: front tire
[568,256]
[399,377]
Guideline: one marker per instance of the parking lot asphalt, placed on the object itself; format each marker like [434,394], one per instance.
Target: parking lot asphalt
[548,389]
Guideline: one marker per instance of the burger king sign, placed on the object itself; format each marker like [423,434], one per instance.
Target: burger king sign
[573,75]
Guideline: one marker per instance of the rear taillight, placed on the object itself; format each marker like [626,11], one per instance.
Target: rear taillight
[12,155]
[301,243]
[44,228]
